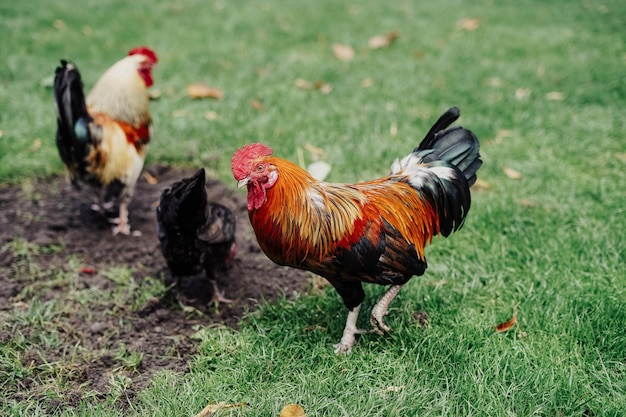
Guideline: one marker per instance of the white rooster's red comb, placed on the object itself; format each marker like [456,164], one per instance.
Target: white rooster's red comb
[144,50]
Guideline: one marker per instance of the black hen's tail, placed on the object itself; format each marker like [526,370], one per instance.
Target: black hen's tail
[73,136]
[457,146]
[182,206]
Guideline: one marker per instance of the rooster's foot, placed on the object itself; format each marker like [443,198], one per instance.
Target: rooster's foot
[381,309]
[218,295]
[349,332]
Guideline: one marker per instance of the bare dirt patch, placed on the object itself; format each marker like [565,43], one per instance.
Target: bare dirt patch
[76,242]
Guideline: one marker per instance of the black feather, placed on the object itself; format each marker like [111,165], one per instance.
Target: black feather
[196,236]
[73,136]
[457,146]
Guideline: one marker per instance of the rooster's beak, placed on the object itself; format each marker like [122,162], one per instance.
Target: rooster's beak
[243,182]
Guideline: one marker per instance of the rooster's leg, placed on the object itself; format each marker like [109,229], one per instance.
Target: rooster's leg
[122,221]
[349,332]
[218,295]
[381,309]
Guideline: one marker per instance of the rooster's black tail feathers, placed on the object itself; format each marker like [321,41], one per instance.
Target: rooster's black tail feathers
[73,136]
[457,146]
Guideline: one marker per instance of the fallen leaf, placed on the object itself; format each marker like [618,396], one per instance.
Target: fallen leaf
[36,145]
[323,87]
[512,174]
[525,202]
[366,83]
[481,184]
[302,84]
[59,24]
[211,115]
[256,104]
[214,408]
[314,150]
[319,170]
[150,179]
[468,24]
[493,82]
[154,94]
[87,270]
[201,90]
[522,93]
[292,410]
[393,388]
[508,325]
[503,133]
[382,41]
[555,96]
[343,52]
[320,85]
[393,129]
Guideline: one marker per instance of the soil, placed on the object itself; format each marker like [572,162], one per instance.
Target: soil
[52,214]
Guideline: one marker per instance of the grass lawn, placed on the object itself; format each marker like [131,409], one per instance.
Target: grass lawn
[542,84]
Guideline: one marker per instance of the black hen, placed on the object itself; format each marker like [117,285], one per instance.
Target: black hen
[197,236]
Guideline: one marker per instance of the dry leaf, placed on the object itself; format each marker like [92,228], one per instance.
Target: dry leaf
[512,174]
[36,145]
[366,83]
[503,133]
[201,90]
[324,88]
[256,104]
[214,408]
[525,202]
[468,24]
[154,94]
[150,179]
[493,82]
[395,388]
[481,184]
[343,52]
[211,115]
[314,150]
[292,410]
[302,84]
[59,24]
[522,93]
[393,129]
[508,325]
[320,85]
[382,41]
[555,96]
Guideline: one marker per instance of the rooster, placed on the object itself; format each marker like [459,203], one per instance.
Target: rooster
[197,236]
[103,139]
[372,232]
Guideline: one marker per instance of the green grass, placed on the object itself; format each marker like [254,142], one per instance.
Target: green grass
[553,241]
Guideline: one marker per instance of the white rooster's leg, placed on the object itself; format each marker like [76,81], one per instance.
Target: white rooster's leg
[349,332]
[122,221]
[381,309]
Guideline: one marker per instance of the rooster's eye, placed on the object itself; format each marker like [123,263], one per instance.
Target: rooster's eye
[259,168]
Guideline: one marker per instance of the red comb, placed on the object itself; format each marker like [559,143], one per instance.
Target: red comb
[145,51]
[242,159]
